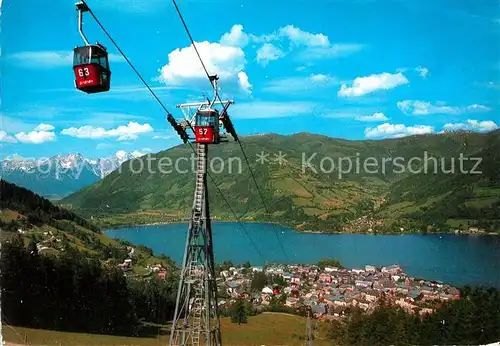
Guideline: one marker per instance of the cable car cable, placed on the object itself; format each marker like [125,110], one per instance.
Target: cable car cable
[238,140]
[192,42]
[263,201]
[166,110]
[125,57]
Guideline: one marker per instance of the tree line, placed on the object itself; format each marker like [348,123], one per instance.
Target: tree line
[75,292]
[474,319]
[37,210]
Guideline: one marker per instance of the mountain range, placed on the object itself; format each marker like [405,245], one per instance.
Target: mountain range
[60,175]
[426,182]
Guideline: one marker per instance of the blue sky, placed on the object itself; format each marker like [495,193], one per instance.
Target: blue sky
[349,69]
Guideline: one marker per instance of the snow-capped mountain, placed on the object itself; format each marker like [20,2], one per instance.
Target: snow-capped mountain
[60,175]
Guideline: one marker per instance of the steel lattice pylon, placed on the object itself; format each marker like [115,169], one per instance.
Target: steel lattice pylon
[196,318]
[309,333]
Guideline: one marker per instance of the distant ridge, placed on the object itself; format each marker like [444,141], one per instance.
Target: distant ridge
[60,175]
[329,201]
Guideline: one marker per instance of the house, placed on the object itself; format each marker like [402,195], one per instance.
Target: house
[339,302]
[328,298]
[242,293]
[363,305]
[384,283]
[319,309]
[331,269]
[162,273]
[256,299]
[365,284]
[346,287]
[426,290]
[370,269]
[445,296]
[454,292]
[291,302]
[267,290]
[127,264]
[414,293]
[392,269]
[338,311]
[295,280]
[371,295]
[406,305]
[325,278]
[274,270]
[231,287]
[425,311]
[403,289]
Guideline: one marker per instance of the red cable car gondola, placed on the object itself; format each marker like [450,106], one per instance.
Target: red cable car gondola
[207,126]
[90,62]
[91,68]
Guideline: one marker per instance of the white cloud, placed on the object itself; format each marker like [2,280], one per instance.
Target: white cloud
[422,71]
[299,37]
[14,123]
[396,130]
[102,146]
[313,46]
[44,127]
[50,59]
[373,117]
[268,52]
[479,108]
[333,51]
[184,67]
[6,138]
[162,137]
[243,81]
[365,85]
[36,137]
[123,132]
[254,110]
[319,78]
[416,107]
[300,84]
[236,37]
[471,125]
[493,85]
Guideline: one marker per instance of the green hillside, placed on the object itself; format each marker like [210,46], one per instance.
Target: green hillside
[378,198]
[57,230]
[58,271]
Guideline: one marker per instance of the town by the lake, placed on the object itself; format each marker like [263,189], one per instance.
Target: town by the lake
[330,291]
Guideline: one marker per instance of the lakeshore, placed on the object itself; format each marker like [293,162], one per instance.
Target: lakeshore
[459,259]
[367,232]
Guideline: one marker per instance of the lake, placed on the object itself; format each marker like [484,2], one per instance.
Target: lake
[457,259]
